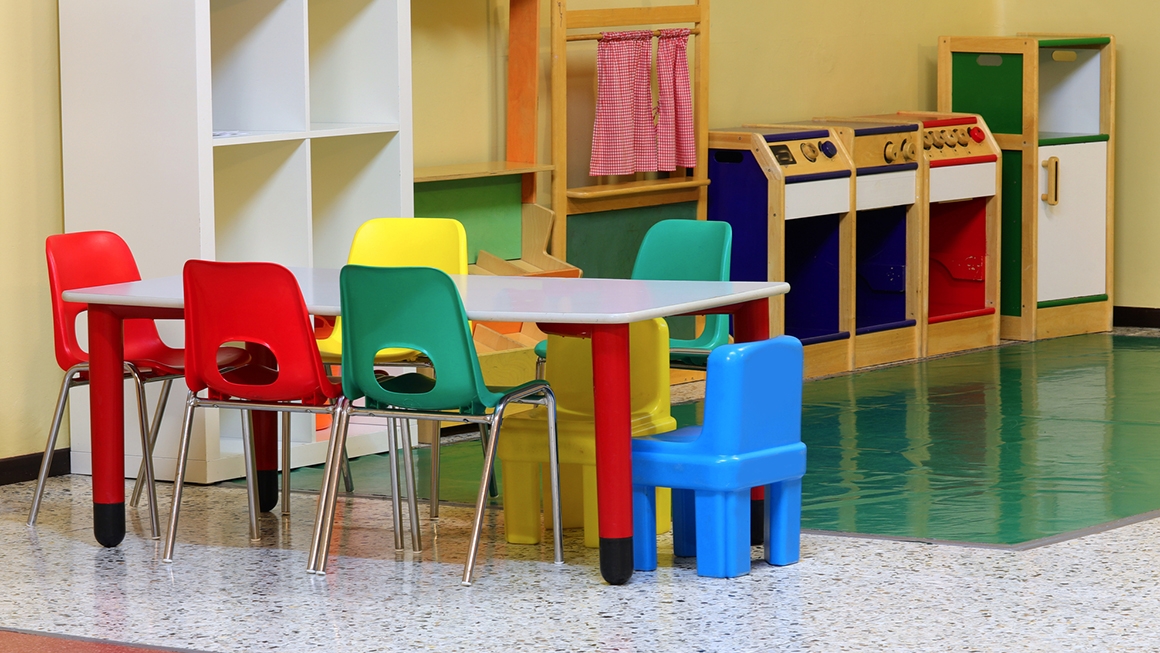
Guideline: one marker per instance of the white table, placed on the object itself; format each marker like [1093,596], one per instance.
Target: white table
[600,309]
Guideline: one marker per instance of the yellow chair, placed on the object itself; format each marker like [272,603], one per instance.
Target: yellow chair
[403,242]
[523,450]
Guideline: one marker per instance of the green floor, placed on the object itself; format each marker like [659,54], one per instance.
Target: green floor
[1002,446]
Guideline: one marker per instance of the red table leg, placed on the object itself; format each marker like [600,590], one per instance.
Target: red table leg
[107,423]
[751,323]
[265,440]
[613,416]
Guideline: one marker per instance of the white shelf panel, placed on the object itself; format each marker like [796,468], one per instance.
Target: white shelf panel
[1069,91]
[329,129]
[354,54]
[354,179]
[258,61]
[248,137]
[262,202]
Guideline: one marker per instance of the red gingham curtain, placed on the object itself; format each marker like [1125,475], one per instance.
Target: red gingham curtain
[624,137]
[675,146]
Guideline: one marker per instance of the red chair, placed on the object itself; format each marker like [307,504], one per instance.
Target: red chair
[96,258]
[257,304]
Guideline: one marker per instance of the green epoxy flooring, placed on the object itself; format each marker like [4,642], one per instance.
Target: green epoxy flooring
[1002,446]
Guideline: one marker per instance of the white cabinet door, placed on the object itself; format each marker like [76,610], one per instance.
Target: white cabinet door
[1073,233]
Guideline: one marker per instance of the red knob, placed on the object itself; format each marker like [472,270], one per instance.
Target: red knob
[977,134]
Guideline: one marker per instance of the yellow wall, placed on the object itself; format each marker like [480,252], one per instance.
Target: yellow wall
[1137,160]
[30,210]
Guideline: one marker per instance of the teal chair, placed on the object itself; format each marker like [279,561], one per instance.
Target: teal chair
[418,309]
[681,250]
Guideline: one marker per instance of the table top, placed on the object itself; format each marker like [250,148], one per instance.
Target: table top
[493,298]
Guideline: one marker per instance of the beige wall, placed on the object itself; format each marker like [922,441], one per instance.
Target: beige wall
[1133,23]
[30,209]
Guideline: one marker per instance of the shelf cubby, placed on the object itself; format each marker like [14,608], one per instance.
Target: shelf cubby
[258,64]
[353,44]
[347,189]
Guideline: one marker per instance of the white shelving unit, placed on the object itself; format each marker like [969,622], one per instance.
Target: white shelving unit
[232,130]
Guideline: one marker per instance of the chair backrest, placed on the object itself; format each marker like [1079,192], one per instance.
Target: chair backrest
[569,370]
[405,242]
[689,250]
[256,303]
[753,397]
[83,259]
[407,308]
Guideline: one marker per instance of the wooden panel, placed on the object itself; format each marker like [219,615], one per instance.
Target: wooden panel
[621,202]
[631,16]
[885,347]
[962,335]
[476,170]
[1095,317]
[827,358]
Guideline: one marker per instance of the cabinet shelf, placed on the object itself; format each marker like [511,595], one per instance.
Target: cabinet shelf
[477,170]
[635,188]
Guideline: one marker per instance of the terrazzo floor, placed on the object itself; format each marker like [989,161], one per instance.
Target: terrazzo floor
[1095,593]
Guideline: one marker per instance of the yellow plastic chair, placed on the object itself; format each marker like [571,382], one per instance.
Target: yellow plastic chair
[403,242]
[523,450]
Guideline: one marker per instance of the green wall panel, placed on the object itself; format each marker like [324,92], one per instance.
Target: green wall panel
[604,245]
[1011,247]
[488,207]
[994,92]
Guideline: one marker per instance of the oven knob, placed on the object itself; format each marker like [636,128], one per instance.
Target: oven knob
[890,152]
[809,151]
[828,148]
[908,153]
[964,138]
[927,141]
[977,134]
[937,139]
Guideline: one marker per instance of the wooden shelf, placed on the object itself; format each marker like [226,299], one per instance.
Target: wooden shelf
[477,170]
[635,188]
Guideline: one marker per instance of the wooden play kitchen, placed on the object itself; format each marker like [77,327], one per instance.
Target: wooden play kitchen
[787,193]
[1050,99]
[889,302]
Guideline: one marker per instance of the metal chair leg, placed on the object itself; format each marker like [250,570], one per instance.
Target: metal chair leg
[492,487]
[154,428]
[331,479]
[409,473]
[146,449]
[434,472]
[285,417]
[554,474]
[481,500]
[179,479]
[347,476]
[323,502]
[50,447]
[396,494]
[251,473]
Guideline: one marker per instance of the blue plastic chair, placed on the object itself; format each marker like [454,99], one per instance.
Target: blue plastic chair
[751,437]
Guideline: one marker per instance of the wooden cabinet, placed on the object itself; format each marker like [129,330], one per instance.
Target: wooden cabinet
[1050,100]
[232,130]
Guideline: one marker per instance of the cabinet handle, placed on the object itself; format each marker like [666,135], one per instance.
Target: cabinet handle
[1052,194]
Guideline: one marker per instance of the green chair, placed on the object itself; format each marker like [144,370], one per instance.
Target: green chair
[681,250]
[418,309]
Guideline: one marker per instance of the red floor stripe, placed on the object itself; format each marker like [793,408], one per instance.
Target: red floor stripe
[28,642]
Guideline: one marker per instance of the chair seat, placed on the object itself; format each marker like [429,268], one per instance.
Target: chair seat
[659,459]
[166,361]
[331,350]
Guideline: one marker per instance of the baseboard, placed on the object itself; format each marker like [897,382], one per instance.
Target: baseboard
[25,468]
[1132,316]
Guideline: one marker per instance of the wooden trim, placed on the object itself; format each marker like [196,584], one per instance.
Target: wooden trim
[989,44]
[1010,141]
[963,335]
[523,88]
[576,206]
[476,170]
[885,347]
[1073,320]
[826,358]
[19,469]
[635,188]
[631,16]
[558,74]
[1108,126]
